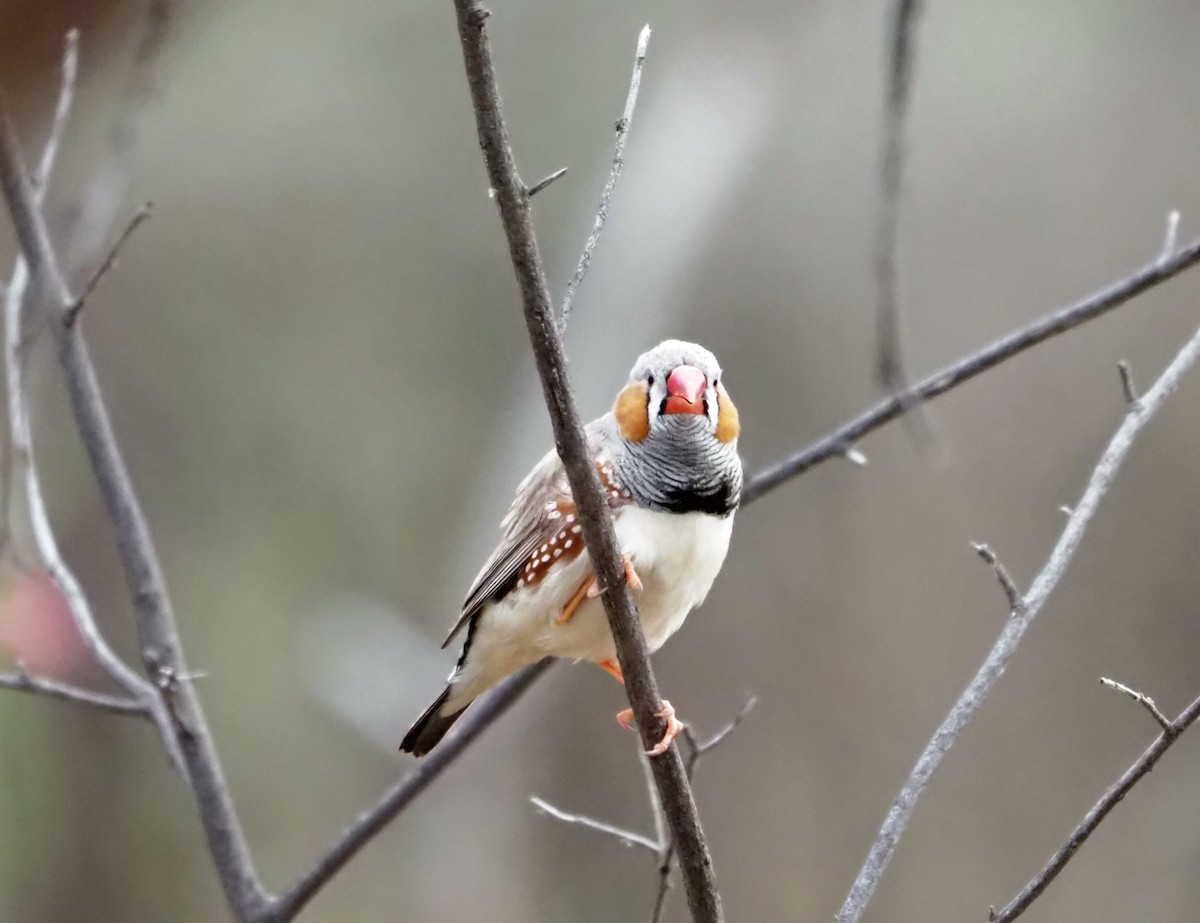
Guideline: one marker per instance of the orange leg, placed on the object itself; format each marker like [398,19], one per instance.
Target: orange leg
[674,727]
[614,670]
[589,589]
[584,591]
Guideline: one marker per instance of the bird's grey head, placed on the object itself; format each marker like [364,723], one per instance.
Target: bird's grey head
[679,430]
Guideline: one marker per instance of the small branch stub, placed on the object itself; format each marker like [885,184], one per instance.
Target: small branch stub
[1016,601]
[543,183]
[1145,701]
[1127,385]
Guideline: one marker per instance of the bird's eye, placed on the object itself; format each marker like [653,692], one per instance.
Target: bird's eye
[650,381]
[716,381]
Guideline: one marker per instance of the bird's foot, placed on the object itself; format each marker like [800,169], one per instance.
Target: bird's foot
[614,670]
[631,577]
[674,727]
[590,589]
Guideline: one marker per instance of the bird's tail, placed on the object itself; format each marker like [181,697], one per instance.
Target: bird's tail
[431,727]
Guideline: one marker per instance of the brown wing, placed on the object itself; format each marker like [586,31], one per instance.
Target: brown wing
[540,530]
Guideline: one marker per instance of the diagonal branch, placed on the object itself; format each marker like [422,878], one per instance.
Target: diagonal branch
[625,837]
[977,690]
[157,634]
[842,440]
[1099,811]
[370,823]
[22,681]
[632,655]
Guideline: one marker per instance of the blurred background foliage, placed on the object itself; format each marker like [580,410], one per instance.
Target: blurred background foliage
[316,365]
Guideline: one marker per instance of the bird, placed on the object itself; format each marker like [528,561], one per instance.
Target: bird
[667,459]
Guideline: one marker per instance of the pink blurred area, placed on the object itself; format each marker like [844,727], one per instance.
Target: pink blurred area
[37,631]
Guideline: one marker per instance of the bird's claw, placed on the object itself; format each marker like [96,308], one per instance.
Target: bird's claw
[631,577]
[674,727]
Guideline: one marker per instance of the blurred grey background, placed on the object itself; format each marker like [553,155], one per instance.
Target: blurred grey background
[317,368]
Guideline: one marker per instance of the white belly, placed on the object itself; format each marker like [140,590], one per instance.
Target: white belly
[677,557]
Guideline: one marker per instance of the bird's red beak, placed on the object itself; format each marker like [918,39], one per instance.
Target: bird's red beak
[685,390]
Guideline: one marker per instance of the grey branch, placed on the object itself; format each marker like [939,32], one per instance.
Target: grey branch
[697,749]
[157,634]
[21,302]
[1091,820]
[108,263]
[1142,699]
[618,163]
[22,681]
[1016,604]
[892,366]
[371,822]
[513,203]
[625,837]
[997,659]
[546,181]
[1128,388]
[834,444]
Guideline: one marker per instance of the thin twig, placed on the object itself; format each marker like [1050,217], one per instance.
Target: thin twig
[23,681]
[1146,702]
[105,197]
[1099,811]
[158,636]
[1016,604]
[107,264]
[632,654]
[546,181]
[625,837]
[62,111]
[696,750]
[1128,388]
[1062,320]
[997,659]
[618,163]
[892,364]
[1171,237]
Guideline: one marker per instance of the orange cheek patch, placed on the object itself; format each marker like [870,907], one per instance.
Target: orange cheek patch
[728,425]
[633,420]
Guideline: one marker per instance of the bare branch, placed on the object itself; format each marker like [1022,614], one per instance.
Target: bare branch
[104,198]
[157,634]
[892,365]
[1146,702]
[1127,386]
[1016,604]
[107,264]
[598,535]
[546,181]
[20,299]
[1099,811]
[1171,238]
[22,681]
[364,829]
[1062,320]
[626,837]
[696,750]
[618,162]
[997,659]
[62,110]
